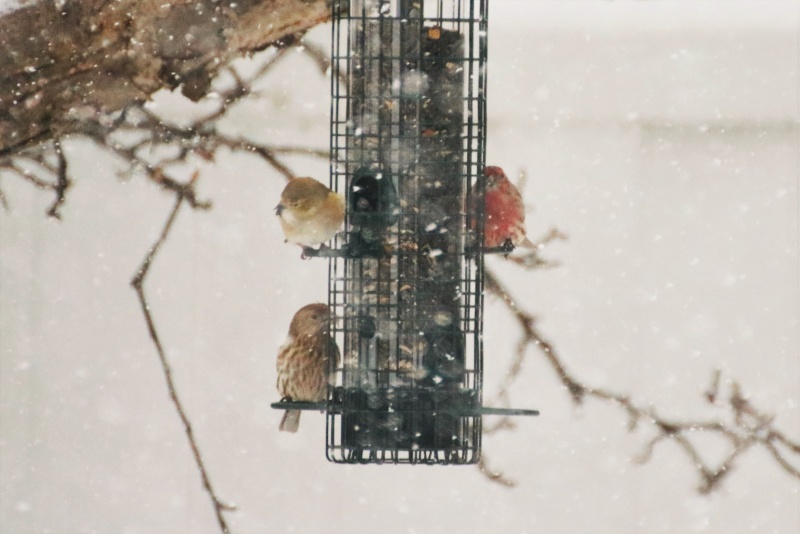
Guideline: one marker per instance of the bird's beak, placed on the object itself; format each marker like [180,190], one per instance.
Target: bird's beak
[279,209]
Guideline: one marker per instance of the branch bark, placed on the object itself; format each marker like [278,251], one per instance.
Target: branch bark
[62,62]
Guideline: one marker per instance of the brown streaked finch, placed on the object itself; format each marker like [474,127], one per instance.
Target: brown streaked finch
[310,213]
[303,365]
[504,211]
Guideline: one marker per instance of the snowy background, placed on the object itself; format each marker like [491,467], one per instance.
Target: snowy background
[662,137]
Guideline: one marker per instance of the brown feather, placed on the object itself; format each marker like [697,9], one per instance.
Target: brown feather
[303,360]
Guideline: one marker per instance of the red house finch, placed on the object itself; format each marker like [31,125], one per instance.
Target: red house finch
[504,211]
[303,360]
[309,212]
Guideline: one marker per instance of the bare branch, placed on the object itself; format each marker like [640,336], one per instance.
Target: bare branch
[151,145]
[494,476]
[241,88]
[136,133]
[29,175]
[318,55]
[773,450]
[323,61]
[530,259]
[749,427]
[138,284]
[63,182]
[779,437]
[322,153]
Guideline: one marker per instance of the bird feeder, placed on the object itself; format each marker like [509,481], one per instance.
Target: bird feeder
[408,131]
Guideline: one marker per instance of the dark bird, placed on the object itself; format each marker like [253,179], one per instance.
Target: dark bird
[374,207]
[366,327]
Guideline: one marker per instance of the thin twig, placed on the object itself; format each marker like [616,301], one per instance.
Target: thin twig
[149,144]
[494,476]
[62,183]
[267,154]
[318,55]
[152,133]
[241,88]
[322,153]
[747,429]
[138,284]
[29,175]
[530,258]
[24,144]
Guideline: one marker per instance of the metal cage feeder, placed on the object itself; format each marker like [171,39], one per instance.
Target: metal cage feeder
[408,130]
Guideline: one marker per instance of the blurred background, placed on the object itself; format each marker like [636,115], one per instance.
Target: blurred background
[661,137]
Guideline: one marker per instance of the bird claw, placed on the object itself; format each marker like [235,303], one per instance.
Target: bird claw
[507,247]
[311,252]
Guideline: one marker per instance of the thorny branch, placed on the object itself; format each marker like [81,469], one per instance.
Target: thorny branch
[747,428]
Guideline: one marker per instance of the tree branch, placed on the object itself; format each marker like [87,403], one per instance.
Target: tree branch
[747,429]
[62,183]
[62,58]
[138,284]
[494,476]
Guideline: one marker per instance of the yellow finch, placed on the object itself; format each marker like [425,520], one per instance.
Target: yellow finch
[303,360]
[309,212]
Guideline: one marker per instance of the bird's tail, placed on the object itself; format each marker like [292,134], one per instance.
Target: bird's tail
[290,421]
[527,243]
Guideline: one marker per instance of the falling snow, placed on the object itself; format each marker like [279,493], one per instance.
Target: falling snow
[655,134]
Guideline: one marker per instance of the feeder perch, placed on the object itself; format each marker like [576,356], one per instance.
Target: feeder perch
[408,130]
